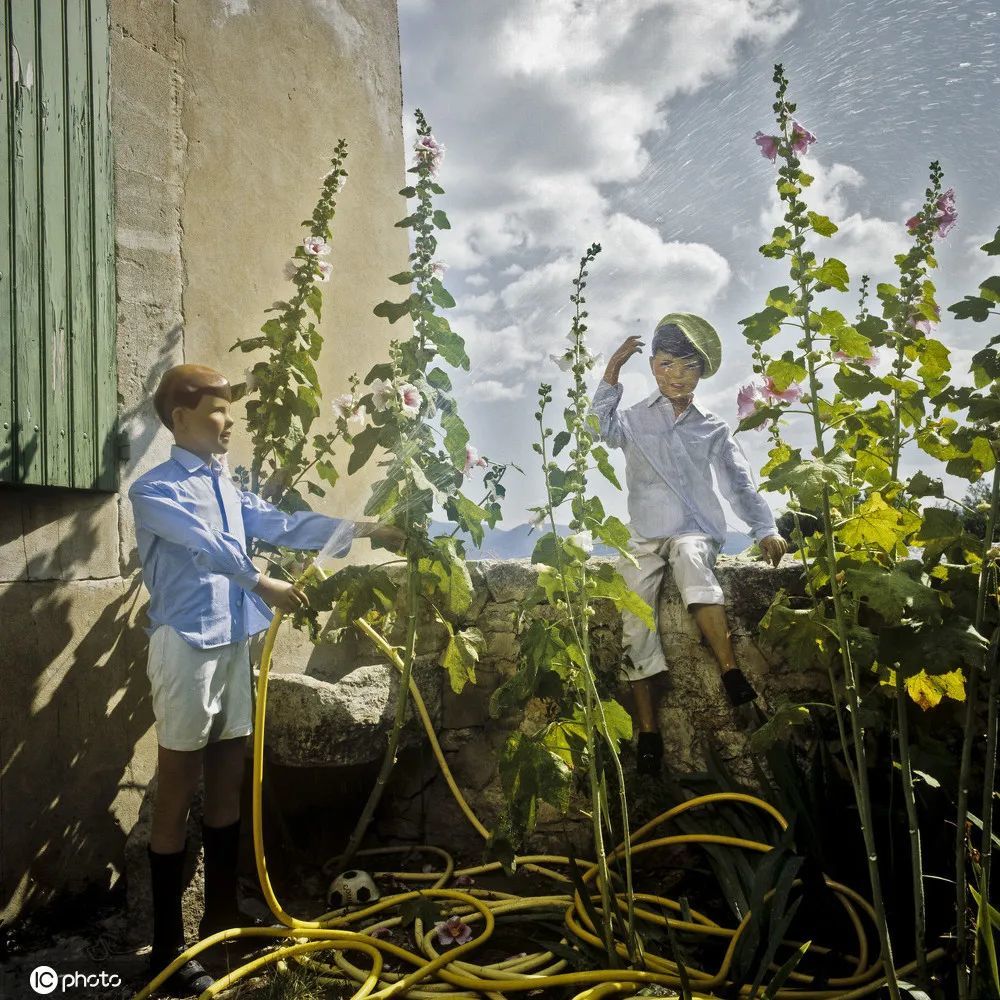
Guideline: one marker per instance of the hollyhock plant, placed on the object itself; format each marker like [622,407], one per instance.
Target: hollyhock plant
[454,930]
[409,398]
[790,395]
[802,138]
[473,460]
[768,146]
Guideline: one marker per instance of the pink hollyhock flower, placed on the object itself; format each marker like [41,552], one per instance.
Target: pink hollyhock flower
[316,246]
[947,214]
[790,395]
[409,398]
[923,325]
[432,151]
[802,138]
[438,267]
[768,146]
[454,930]
[381,393]
[747,400]
[473,460]
[325,270]
[343,405]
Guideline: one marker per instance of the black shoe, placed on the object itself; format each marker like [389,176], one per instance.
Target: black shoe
[649,753]
[189,980]
[738,688]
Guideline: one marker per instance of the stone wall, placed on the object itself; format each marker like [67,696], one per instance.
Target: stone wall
[337,712]
[224,115]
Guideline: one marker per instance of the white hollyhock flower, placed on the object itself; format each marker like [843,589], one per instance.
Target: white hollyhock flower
[316,246]
[582,540]
[564,361]
[409,398]
[343,405]
[357,421]
[381,393]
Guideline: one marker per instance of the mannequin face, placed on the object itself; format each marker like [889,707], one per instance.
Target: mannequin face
[676,377]
[205,431]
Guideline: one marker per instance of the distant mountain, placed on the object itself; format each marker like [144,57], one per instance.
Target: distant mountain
[518,542]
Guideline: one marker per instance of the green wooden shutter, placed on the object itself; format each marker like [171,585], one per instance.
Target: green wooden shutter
[58,383]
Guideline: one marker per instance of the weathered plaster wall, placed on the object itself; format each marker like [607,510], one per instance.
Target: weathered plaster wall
[224,113]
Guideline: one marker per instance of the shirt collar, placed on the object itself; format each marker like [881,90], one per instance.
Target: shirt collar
[654,397]
[193,462]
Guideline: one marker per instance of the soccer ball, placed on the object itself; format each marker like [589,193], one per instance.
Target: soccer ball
[352,888]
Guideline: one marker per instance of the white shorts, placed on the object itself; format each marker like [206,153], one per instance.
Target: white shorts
[200,696]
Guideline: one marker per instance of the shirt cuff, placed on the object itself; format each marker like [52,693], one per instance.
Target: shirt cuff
[248,581]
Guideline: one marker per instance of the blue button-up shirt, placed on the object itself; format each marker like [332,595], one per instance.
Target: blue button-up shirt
[192,527]
[668,467]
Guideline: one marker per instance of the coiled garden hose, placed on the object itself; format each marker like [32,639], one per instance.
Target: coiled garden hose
[453,973]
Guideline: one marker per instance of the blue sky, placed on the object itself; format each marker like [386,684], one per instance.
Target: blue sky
[631,123]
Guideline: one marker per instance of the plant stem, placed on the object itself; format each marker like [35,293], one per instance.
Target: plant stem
[968,735]
[402,701]
[916,853]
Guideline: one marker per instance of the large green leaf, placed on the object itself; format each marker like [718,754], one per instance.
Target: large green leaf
[460,657]
[763,325]
[832,272]
[894,594]
[806,479]
[875,523]
[607,582]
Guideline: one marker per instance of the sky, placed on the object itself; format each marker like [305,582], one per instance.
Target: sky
[631,123]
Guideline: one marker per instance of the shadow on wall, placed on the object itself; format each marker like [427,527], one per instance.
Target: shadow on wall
[75,698]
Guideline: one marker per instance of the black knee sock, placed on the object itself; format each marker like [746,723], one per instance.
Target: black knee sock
[221,855]
[167,876]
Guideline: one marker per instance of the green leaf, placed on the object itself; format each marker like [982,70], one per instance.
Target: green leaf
[314,299]
[763,325]
[783,299]
[441,295]
[440,219]
[449,344]
[993,247]
[971,307]
[893,594]
[614,533]
[780,242]
[804,636]
[529,772]
[607,582]
[784,371]
[364,445]
[604,466]
[548,551]
[821,225]
[560,441]
[617,725]
[936,648]
[874,523]
[403,278]
[806,479]
[921,485]
[461,656]
[832,272]
[778,726]
[408,192]
[392,311]
[408,223]
[456,437]
[990,288]
[468,515]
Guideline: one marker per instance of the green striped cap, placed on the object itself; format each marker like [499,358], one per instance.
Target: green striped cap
[702,335]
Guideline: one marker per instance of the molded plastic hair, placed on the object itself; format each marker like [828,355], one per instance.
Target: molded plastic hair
[184,385]
[670,339]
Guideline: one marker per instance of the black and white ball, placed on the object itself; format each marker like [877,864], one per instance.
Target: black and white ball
[352,888]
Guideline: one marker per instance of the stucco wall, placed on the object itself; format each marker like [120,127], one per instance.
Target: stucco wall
[224,115]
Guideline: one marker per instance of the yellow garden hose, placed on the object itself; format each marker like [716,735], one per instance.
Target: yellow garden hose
[452,973]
